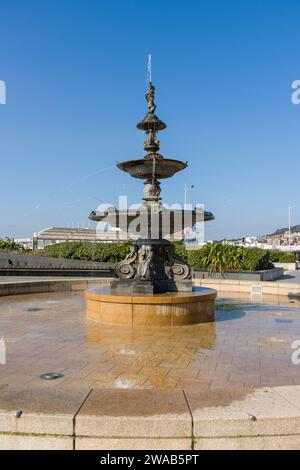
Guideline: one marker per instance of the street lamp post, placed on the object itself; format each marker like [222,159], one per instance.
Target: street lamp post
[186,189]
[290,234]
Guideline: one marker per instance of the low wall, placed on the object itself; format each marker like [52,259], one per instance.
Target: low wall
[266,275]
[13,264]
[37,286]
[58,272]
[245,287]
[29,265]
[286,266]
[83,419]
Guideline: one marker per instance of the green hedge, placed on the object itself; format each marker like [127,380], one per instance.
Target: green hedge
[220,257]
[278,256]
[217,257]
[257,259]
[9,244]
[105,252]
[181,251]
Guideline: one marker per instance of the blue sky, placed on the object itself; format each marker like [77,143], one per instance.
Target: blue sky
[75,73]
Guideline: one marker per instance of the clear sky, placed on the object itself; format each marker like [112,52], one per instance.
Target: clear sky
[75,73]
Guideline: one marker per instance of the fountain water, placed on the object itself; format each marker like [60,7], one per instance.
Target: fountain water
[152,276]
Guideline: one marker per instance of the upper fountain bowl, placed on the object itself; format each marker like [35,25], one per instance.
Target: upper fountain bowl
[152,165]
[151,122]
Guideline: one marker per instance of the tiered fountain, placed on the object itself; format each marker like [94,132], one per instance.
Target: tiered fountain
[153,285]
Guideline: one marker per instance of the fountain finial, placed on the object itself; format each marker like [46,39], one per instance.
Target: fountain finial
[151,122]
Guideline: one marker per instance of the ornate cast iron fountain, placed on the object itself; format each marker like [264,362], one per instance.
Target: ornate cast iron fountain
[152,266]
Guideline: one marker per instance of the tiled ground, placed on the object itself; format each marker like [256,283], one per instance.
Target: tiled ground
[249,345]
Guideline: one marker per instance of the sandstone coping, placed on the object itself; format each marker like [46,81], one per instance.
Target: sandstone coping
[166,298]
[267,418]
[43,411]
[272,412]
[135,413]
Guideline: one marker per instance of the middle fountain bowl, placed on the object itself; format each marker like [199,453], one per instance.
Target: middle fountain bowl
[152,165]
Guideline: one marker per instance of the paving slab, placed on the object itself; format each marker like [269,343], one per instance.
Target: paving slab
[242,413]
[43,411]
[290,393]
[134,413]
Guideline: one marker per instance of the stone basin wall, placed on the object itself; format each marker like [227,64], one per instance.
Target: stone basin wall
[84,419]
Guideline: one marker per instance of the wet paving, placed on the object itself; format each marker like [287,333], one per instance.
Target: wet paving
[249,345]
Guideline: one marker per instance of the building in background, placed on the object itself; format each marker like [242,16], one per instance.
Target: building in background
[25,242]
[52,235]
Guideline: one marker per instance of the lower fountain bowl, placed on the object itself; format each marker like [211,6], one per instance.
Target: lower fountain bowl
[169,309]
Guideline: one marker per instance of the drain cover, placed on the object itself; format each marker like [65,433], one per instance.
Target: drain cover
[51,376]
[34,309]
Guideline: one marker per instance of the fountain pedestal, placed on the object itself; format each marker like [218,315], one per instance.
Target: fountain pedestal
[152,267]
[169,309]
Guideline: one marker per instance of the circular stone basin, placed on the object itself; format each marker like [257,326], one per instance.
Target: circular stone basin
[169,309]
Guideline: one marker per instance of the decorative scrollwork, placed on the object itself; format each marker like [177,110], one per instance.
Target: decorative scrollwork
[154,261]
[178,269]
[126,269]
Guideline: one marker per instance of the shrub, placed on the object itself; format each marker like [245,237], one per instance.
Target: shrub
[278,256]
[256,259]
[8,244]
[61,250]
[196,258]
[181,251]
[223,257]
[220,257]
[104,252]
